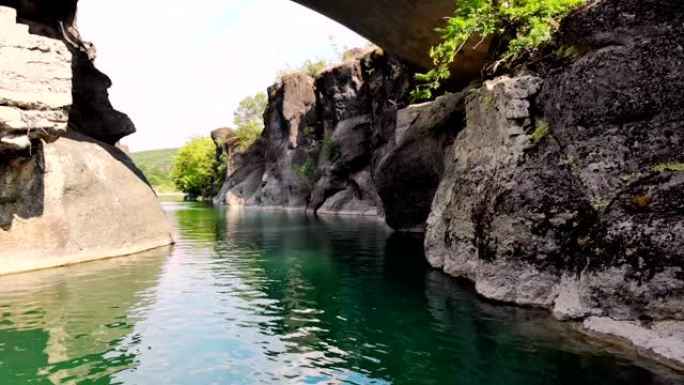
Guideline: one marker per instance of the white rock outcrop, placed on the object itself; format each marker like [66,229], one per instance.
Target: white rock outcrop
[35,85]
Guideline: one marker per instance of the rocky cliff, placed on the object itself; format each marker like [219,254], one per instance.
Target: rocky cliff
[557,185]
[564,190]
[67,194]
[347,142]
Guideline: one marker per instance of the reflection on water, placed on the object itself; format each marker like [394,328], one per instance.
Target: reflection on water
[249,297]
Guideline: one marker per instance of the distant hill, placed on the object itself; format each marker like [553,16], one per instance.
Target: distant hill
[156,165]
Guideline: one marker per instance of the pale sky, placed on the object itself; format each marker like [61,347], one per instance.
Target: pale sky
[179,69]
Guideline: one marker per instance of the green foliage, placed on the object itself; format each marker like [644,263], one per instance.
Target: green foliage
[540,132]
[306,170]
[332,149]
[249,119]
[196,171]
[312,68]
[528,22]
[156,165]
[672,166]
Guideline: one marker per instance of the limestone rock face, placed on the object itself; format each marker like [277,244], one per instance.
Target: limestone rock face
[565,191]
[72,201]
[35,85]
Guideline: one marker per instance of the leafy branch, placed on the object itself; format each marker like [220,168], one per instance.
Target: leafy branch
[528,22]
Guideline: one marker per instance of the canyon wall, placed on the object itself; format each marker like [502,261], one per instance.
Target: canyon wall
[347,142]
[565,189]
[557,185]
[67,194]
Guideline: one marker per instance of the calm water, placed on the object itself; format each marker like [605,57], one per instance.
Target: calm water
[249,297]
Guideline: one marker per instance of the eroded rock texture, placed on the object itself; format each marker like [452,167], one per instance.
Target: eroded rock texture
[75,200]
[562,190]
[65,196]
[348,143]
[35,85]
[410,170]
[91,112]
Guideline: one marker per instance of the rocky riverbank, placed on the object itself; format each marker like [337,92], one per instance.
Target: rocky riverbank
[558,184]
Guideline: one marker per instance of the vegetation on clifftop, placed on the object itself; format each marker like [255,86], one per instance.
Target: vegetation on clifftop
[249,119]
[523,23]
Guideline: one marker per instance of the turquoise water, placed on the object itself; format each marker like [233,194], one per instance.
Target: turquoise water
[252,297]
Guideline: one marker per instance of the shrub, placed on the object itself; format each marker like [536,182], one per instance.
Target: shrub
[306,170]
[312,68]
[527,22]
[540,132]
[332,149]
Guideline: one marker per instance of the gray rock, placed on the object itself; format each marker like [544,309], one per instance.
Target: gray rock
[563,191]
[269,173]
[321,139]
[72,201]
[409,173]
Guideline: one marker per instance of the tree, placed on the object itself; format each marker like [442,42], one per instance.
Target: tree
[525,24]
[196,171]
[312,68]
[249,119]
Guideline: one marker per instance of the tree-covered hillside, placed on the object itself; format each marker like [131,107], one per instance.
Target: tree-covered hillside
[156,165]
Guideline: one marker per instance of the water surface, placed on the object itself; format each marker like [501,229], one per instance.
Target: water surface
[253,297]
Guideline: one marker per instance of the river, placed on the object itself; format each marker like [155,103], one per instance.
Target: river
[256,297]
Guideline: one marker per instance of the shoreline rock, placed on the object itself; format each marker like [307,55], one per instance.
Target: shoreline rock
[76,200]
[553,196]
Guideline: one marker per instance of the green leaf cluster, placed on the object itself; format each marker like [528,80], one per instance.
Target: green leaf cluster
[249,119]
[307,170]
[528,22]
[312,68]
[332,148]
[196,170]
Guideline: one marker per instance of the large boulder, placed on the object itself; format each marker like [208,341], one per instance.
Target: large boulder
[565,191]
[72,201]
